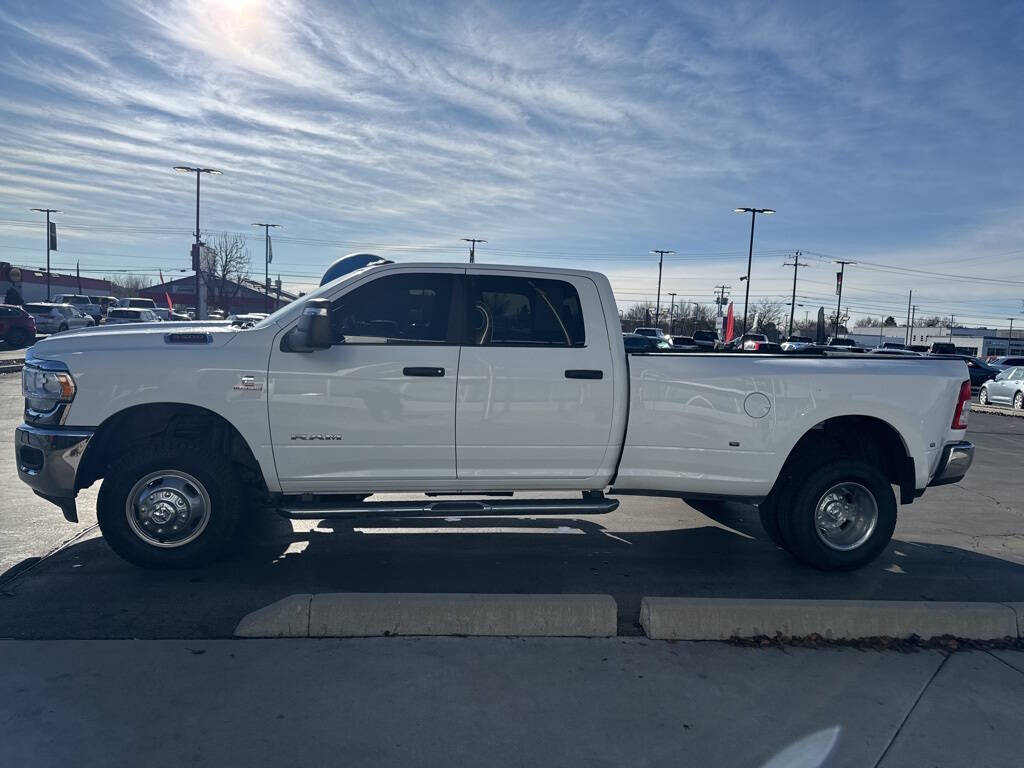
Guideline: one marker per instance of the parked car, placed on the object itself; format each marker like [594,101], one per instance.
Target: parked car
[918,348]
[840,341]
[54,318]
[104,301]
[893,345]
[17,327]
[656,333]
[706,340]
[942,348]
[979,370]
[1006,388]
[1007,362]
[136,303]
[122,315]
[359,379]
[753,342]
[83,304]
[684,344]
[793,343]
[634,342]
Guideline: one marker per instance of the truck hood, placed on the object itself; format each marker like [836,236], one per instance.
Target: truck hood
[130,337]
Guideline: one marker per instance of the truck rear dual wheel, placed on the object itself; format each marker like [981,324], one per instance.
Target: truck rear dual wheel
[839,517]
[170,505]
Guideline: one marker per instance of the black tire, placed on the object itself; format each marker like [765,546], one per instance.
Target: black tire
[768,511]
[212,472]
[63,327]
[796,514]
[18,337]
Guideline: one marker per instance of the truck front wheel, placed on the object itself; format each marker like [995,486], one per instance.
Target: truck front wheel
[840,517]
[170,505]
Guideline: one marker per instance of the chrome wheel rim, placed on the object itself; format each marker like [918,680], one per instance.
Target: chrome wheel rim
[845,516]
[168,509]
[1018,401]
[983,397]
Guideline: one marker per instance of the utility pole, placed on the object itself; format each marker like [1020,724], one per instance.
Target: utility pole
[657,305]
[839,289]
[1010,342]
[472,247]
[672,316]
[792,304]
[721,296]
[267,258]
[51,242]
[913,317]
[951,321]
[909,299]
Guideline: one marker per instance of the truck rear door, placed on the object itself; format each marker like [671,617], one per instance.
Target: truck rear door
[536,391]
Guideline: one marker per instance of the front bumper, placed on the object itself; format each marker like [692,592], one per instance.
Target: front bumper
[953,464]
[48,460]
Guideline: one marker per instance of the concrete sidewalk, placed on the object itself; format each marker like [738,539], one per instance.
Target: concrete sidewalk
[503,702]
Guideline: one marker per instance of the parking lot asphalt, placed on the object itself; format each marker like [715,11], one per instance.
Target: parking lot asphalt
[958,542]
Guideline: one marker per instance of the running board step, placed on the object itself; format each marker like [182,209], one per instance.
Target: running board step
[591,504]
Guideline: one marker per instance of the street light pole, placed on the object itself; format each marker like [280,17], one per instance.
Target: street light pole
[672,315]
[750,253]
[472,247]
[198,172]
[266,263]
[47,211]
[1009,343]
[657,305]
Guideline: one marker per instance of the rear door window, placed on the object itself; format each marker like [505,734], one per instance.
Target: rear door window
[523,312]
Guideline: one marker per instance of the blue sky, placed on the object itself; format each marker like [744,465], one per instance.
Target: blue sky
[566,134]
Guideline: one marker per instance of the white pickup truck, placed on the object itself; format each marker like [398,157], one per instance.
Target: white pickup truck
[472,380]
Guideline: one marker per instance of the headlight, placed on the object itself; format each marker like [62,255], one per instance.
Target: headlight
[45,389]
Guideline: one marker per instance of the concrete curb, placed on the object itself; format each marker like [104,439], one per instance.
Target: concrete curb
[376,615]
[285,618]
[685,618]
[998,410]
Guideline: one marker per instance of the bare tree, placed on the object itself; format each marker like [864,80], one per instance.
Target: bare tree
[225,264]
[126,285]
[768,314]
[867,322]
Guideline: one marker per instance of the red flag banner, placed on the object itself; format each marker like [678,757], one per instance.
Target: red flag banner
[730,325]
[170,305]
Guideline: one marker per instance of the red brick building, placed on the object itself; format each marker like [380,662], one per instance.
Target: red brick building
[250,296]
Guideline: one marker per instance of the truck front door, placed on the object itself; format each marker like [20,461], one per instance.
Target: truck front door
[376,409]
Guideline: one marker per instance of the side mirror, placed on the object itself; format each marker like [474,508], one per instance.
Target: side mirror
[313,330]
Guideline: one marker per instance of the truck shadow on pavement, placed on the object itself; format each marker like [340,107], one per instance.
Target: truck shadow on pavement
[87,591]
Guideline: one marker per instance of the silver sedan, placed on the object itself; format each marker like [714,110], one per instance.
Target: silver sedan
[1007,389]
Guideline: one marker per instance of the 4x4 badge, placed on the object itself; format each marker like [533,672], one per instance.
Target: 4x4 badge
[318,436]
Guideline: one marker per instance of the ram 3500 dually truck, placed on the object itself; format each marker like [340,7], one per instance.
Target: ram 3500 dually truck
[472,380]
